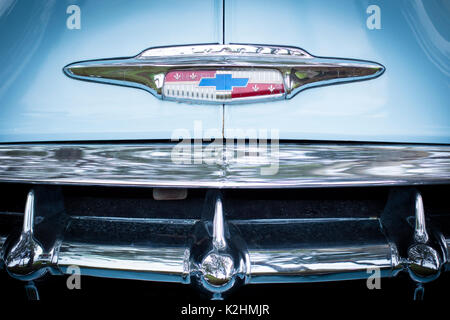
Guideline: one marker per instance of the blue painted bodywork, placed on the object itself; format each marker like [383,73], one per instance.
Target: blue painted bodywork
[38,102]
[408,103]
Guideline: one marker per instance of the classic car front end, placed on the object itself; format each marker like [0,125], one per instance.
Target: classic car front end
[224,143]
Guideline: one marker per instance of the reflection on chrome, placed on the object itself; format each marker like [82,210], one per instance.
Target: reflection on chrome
[217,269]
[299,69]
[91,256]
[420,231]
[424,263]
[219,241]
[300,165]
[338,261]
[26,259]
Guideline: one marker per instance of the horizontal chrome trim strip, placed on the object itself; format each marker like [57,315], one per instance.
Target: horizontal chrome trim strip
[298,220]
[137,220]
[172,264]
[285,260]
[320,264]
[296,165]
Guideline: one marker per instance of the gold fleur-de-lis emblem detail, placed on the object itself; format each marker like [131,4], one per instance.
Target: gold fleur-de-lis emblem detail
[177,76]
[193,76]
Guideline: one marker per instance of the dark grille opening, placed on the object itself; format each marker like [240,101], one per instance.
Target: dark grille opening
[305,203]
[12,206]
[435,199]
[134,202]
[13,197]
[239,204]
[130,202]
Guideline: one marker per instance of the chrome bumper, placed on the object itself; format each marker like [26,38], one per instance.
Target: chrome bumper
[289,258]
[290,165]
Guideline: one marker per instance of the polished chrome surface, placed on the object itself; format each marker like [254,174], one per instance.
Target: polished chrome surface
[132,248]
[420,230]
[319,264]
[27,259]
[217,269]
[288,262]
[223,50]
[219,241]
[299,69]
[424,262]
[218,261]
[322,250]
[297,165]
[125,261]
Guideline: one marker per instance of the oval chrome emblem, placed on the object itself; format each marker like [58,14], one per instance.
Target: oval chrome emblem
[224,73]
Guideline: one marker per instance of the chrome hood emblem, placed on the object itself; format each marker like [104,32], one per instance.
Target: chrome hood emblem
[224,73]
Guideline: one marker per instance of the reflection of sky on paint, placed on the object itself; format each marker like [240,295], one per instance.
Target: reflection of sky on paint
[432,39]
[6,6]
[306,24]
[49,105]
[408,103]
[21,48]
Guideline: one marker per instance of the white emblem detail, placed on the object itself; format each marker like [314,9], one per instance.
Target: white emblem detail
[271,88]
[193,76]
[255,88]
[177,76]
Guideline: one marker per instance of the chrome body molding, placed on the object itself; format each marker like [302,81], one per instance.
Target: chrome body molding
[215,253]
[130,262]
[321,264]
[214,50]
[299,70]
[296,165]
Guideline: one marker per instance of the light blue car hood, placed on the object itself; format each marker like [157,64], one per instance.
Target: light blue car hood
[408,103]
